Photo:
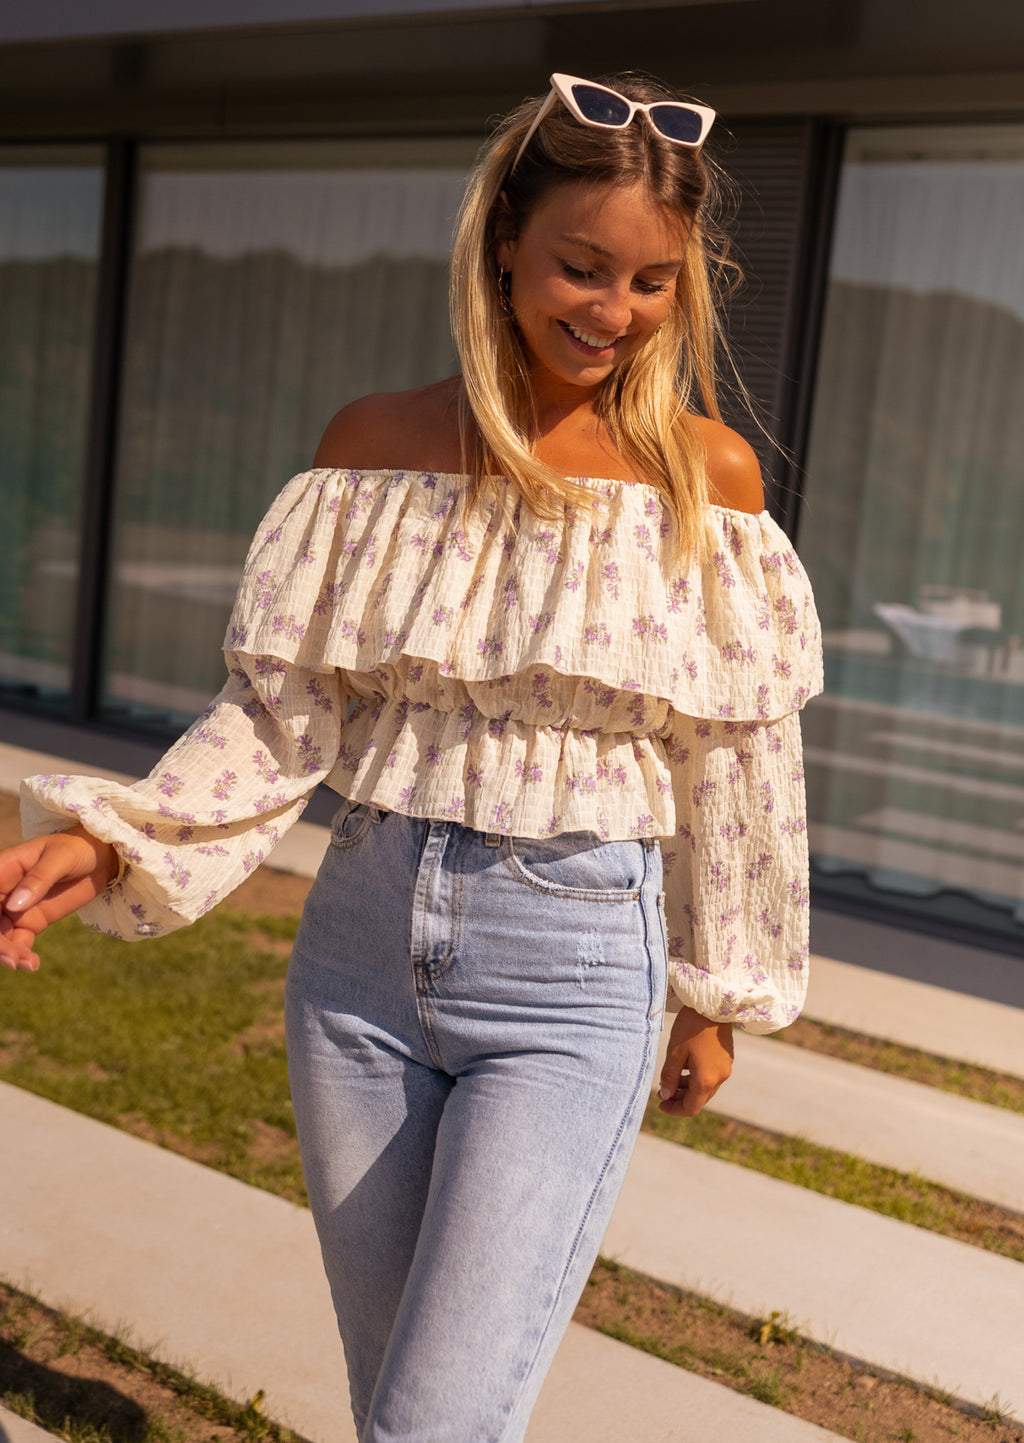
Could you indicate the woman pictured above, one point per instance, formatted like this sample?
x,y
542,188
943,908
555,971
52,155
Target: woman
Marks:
x,y
526,622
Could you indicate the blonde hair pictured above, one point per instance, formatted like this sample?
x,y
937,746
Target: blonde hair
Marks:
x,y
647,401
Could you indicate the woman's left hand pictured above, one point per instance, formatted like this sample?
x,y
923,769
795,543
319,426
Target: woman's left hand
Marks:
x,y
699,1060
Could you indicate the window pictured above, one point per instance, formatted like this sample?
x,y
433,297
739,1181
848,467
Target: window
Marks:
x,y
912,528
51,203
270,285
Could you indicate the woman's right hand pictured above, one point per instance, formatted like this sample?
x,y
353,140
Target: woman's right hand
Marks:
x,y
44,880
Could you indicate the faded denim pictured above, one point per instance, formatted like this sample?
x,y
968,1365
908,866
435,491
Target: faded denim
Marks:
x,y
472,1030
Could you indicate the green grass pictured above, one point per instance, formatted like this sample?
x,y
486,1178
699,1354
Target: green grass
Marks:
x,y
180,1039
907,1197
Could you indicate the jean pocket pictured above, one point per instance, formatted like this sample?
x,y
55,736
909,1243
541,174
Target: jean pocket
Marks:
x,y
350,825
578,865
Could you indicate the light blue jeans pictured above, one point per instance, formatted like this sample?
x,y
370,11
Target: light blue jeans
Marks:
x,y
472,1028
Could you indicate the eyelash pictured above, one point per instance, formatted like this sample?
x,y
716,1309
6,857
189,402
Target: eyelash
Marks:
x,y
646,288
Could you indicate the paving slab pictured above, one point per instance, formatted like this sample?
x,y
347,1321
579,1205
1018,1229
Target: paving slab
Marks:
x,y
916,1014
208,1272
969,1146
896,1296
19,1430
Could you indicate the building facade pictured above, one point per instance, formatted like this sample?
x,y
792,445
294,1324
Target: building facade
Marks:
x,y
220,222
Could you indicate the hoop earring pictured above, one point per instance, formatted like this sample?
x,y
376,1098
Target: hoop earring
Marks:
x,y
505,291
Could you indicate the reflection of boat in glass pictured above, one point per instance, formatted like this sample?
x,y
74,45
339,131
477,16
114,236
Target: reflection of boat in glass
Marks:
x,y
949,625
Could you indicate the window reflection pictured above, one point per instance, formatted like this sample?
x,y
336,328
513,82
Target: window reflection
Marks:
x,y
50,216
913,526
270,285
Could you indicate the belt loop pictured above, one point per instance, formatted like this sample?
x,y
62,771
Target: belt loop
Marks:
x,y
492,839
649,843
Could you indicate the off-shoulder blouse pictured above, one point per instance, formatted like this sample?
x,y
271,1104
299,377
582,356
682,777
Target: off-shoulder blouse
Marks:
x,y
519,675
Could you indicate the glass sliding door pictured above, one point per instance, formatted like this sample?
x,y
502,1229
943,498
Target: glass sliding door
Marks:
x,y
51,203
913,529
270,285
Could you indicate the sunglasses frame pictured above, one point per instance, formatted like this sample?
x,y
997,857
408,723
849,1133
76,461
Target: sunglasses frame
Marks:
x,y
561,89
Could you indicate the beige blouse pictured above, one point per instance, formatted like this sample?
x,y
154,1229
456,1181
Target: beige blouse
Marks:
x,y
517,675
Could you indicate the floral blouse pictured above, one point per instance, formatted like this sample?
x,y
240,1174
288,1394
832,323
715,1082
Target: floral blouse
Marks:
x,y
515,674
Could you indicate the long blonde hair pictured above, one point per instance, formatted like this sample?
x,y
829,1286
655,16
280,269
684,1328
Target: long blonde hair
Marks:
x,y
647,402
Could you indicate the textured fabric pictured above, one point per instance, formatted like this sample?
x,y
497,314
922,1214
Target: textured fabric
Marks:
x,y
519,675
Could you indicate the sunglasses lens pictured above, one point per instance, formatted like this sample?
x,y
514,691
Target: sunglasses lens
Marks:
x,y
600,107
678,123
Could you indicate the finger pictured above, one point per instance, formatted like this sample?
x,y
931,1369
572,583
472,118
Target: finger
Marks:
x,y
16,951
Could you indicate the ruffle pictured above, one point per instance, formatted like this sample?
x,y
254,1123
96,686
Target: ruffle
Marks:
x,y
357,569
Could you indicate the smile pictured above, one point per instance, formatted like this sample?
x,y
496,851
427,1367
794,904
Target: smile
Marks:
x,y
593,343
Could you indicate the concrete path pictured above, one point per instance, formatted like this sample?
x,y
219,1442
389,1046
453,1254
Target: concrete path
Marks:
x,y
916,1014
209,1272
969,1146
896,1296
16,1430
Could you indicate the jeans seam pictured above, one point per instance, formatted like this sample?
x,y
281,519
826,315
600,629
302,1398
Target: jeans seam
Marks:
x,y
519,873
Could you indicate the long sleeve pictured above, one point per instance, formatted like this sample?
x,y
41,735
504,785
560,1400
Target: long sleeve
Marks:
x,y
736,888
213,807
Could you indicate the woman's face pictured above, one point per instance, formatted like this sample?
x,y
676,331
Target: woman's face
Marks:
x,y
593,274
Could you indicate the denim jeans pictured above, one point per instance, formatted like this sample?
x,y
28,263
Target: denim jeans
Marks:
x,y
472,1029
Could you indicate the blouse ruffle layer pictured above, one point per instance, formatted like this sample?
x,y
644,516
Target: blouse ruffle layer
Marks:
x,y
353,569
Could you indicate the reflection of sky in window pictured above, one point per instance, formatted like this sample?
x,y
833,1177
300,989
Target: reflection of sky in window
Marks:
x,y
934,226
334,218
49,213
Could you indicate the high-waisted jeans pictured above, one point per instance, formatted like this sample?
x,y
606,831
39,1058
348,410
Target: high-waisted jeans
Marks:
x,y
472,1029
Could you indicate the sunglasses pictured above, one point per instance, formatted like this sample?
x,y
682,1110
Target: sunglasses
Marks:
x,y
675,120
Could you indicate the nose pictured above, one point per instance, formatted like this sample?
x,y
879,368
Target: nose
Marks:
x,y
610,308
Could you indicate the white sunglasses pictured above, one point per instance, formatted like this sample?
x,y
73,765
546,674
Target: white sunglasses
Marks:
x,y
675,120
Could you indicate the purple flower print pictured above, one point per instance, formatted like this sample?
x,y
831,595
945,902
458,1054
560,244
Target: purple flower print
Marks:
x,y
643,826
224,785
731,532
270,666
383,587
797,961
771,563
722,571
785,613
351,632
643,541
309,754
702,791
330,594
756,869
308,554
272,537
720,876
528,772
251,861
584,783
600,537
539,690
270,804
179,876
170,785
542,621
210,737
433,755
467,716
686,833
509,593
650,626
732,831
598,635
471,592
454,810
213,851
769,925
755,971
768,796
610,573
497,725
293,629
239,635
405,796
702,621
792,826
679,594
551,826
458,543
736,651
724,918
424,544
546,543
474,778
501,817
576,573
611,776
489,646
798,893
265,588
781,667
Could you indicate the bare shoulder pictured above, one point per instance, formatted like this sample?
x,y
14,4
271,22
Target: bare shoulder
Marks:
x,y
395,430
733,468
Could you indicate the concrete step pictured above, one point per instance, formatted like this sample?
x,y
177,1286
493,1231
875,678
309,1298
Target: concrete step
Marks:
x,y
14,1429
977,1149
896,1296
208,1272
916,1014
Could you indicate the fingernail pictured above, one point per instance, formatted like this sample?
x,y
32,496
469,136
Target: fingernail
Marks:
x,y
664,1093
19,898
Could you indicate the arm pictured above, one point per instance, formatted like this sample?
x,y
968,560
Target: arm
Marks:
x,y
208,814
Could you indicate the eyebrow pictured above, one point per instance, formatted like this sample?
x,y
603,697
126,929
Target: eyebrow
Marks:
x,y
579,240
